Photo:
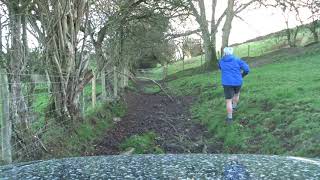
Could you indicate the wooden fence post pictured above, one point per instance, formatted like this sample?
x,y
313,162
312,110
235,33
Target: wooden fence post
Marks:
x,y
6,124
115,82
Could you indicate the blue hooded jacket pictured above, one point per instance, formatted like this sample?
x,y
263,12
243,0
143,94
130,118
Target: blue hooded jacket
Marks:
x,y
231,67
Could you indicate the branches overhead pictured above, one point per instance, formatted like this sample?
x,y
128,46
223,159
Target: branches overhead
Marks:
x,y
314,7
187,33
239,7
138,10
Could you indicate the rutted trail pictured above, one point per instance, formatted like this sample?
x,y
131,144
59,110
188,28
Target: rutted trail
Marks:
x,y
170,120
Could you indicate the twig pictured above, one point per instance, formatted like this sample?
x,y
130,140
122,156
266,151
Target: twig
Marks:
x,y
155,82
173,127
42,145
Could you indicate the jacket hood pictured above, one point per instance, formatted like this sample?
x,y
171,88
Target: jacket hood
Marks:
x,y
227,58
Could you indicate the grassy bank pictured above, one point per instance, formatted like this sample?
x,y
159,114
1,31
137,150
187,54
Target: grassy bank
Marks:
x,y
80,139
279,110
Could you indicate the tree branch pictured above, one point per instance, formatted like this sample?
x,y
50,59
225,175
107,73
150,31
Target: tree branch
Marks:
x,y
187,33
244,6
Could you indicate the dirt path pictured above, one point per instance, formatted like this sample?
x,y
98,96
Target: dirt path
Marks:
x,y
170,120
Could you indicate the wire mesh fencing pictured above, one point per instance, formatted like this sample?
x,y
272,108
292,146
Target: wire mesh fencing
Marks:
x,y
30,118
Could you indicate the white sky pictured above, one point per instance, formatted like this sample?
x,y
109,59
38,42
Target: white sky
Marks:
x,y
258,22
262,21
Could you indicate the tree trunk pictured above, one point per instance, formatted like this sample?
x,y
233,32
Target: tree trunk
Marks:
x,y
126,77
103,84
67,69
48,81
1,54
30,85
16,66
213,23
210,56
83,102
316,37
115,82
209,45
94,91
122,76
288,33
209,48
313,29
109,83
227,25
291,34
296,30
164,71
20,113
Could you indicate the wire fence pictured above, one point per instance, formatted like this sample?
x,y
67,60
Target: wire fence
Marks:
x,y
28,114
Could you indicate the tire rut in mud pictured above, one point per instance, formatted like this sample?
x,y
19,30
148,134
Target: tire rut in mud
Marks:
x,y
170,120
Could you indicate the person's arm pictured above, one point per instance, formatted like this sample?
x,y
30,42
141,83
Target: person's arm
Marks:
x,y
244,67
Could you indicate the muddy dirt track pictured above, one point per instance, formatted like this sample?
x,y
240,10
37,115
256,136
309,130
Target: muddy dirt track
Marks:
x,y
170,120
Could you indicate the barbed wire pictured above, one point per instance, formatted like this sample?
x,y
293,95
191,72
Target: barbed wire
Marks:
x,y
34,94
36,136
32,111
22,150
47,112
41,132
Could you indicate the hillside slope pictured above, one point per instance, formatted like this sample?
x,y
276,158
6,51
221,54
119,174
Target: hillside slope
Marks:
x,y
279,109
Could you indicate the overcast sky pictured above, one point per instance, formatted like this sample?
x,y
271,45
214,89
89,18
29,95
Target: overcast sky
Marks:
x,y
261,22
258,22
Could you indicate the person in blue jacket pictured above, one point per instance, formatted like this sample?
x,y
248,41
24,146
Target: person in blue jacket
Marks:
x,y
233,69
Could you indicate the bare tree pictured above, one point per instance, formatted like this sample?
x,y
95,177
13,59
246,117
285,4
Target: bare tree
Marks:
x,y
110,25
114,36
60,34
226,30
17,63
288,8
314,7
234,8
208,35
291,33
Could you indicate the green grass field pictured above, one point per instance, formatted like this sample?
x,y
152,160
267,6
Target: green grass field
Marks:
x,y
270,44
279,109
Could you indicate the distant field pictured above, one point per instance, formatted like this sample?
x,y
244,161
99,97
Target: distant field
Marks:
x,y
271,43
157,73
250,49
